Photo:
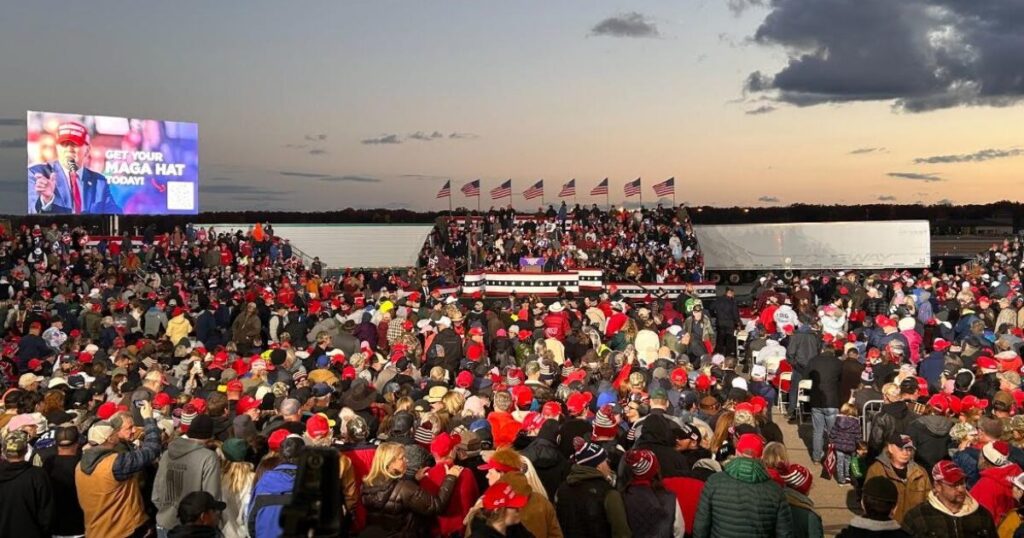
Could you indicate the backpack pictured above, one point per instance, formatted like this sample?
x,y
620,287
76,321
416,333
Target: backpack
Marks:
x,y
272,493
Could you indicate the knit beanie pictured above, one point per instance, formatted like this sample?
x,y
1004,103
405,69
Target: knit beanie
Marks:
x,y
606,423
188,414
424,433
586,453
643,463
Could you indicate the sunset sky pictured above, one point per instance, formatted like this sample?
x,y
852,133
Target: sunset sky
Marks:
x,y
320,105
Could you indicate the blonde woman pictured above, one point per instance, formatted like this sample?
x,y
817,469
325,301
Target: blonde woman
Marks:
x,y
237,479
396,506
775,456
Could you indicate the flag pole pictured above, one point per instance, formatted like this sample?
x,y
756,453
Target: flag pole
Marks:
x,y
608,197
451,212
640,180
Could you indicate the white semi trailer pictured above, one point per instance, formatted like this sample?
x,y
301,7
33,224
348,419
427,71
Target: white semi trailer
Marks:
x,y
736,253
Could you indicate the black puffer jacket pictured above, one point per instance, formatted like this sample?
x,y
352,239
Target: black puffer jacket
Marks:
x,y
551,466
26,499
401,509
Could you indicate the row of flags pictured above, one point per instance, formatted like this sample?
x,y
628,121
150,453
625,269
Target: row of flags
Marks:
x,y
632,188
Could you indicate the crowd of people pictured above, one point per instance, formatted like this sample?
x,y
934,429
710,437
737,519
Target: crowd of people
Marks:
x,y
653,244
185,396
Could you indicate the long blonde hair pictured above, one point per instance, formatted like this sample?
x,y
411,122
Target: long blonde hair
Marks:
x,y
775,455
236,476
385,455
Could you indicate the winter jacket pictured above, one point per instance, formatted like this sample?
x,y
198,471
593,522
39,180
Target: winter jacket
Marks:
x,y
931,518
538,516
272,492
186,466
912,491
931,437
108,485
26,498
931,369
1010,524
465,494
824,371
803,346
68,519
764,511
806,522
687,491
450,346
652,512
846,433
154,321
994,490
657,436
862,527
556,325
400,507
551,466
177,328
849,379
246,328
588,505
893,417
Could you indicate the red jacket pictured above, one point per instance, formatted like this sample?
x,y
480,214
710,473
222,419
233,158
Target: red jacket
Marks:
x,y
615,322
556,325
687,491
994,490
464,496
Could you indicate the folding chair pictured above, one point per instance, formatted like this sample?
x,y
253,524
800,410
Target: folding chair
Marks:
x,y
803,399
785,378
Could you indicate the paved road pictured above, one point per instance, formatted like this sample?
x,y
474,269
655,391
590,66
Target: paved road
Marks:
x,y
831,500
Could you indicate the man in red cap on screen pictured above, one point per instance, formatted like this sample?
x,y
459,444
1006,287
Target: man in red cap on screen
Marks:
x,y
66,185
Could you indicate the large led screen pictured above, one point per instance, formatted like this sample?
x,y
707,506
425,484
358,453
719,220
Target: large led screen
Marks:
x,y
106,165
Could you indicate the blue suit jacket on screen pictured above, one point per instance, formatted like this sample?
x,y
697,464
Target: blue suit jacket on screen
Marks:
x,y
96,197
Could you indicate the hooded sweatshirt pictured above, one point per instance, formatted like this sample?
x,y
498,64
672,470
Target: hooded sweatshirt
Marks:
x,y
27,500
185,467
994,490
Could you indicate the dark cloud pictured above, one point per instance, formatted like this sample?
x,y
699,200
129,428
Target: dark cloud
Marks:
x,y
914,176
352,179
887,198
763,109
976,157
382,139
318,151
426,137
631,24
739,6
462,136
12,121
944,201
302,174
315,137
862,151
768,199
239,189
11,143
422,176
920,54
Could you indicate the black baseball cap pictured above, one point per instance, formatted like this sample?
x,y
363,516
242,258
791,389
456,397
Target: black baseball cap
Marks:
x,y
195,504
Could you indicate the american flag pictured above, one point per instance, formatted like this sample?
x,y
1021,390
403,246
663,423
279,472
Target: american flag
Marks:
x,y
502,191
446,191
632,188
601,188
666,188
536,191
569,189
472,188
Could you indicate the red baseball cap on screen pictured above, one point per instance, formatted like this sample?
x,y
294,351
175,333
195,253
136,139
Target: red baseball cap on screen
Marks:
x,y
74,132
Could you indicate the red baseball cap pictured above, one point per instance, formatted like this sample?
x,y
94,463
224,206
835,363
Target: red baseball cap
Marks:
x,y
678,376
752,443
73,132
35,364
948,472
987,363
578,402
498,466
464,379
501,495
939,402
551,409
162,399
109,409
444,443
276,439
317,426
246,403
940,344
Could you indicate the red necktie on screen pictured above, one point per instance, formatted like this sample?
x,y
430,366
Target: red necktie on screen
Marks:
x,y
76,194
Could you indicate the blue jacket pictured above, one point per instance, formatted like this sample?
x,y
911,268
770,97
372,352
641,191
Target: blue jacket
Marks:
x,y
96,197
931,369
271,494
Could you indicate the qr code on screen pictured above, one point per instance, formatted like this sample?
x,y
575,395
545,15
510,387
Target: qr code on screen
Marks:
x,y
181,196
